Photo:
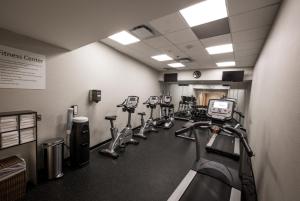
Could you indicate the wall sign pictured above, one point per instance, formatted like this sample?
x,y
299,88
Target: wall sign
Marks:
x,y
21,69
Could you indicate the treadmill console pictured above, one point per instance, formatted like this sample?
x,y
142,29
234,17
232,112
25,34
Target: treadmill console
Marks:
x,y
166,99
220,109
153,100
132,101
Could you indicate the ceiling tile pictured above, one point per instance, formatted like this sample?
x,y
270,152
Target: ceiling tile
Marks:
x,y
194,49
247,52
211,29
169,23
173,51
251,58
238,6
157,42
205,61
223,57
217,40
143,49
182,36
250,35
248,45
253,19
245,63
114,44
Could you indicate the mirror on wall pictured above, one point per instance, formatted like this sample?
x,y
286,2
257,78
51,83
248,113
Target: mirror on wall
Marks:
x,y
204,92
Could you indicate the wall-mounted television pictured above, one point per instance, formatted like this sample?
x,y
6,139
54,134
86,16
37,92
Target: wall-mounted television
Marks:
x,y
233,76
170,77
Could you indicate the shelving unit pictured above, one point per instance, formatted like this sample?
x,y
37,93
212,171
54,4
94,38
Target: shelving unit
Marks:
x,y
18,128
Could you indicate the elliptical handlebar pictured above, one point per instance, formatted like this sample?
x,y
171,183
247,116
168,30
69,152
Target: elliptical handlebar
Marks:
x,y
242,137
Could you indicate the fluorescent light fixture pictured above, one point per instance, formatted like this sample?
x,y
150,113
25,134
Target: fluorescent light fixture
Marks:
x,y
162,57
124,38
176,65
204,12
226,64
220,49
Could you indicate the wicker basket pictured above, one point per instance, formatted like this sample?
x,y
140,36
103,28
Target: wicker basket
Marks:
x,y
12,179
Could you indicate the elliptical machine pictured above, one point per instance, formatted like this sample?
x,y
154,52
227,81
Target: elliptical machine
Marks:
x,y
121,139
166,119
148,126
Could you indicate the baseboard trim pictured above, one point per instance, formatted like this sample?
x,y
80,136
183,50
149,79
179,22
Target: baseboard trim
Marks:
x,y
100,144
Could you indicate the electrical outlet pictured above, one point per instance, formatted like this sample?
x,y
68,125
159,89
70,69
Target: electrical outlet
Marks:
x,y
39,117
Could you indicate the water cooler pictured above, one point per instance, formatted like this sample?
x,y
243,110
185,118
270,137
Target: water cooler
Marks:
x,y
80,142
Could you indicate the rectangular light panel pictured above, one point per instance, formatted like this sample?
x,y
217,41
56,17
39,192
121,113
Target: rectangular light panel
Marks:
x,y
162,57
219,49
124,38
176,65
226,64
204,12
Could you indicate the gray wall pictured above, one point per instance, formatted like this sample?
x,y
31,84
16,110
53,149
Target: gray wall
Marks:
x,y
69,76
274,110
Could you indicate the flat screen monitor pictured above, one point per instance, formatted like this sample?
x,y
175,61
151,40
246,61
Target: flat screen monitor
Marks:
x,y
170,77
220,104
233,76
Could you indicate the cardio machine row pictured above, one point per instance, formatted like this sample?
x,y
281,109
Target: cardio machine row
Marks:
x,y
124,137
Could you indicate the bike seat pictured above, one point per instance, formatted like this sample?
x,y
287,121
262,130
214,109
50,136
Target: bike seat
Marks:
x,y
111,117
142,113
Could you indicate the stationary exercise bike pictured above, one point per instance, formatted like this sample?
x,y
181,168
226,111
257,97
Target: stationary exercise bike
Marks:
x,y
148,126
121,139
166,119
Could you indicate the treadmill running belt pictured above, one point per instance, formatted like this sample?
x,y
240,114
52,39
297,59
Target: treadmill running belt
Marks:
x,y
224,143
205,188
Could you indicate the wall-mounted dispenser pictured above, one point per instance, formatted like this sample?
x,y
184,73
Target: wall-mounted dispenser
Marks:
x,y
95,95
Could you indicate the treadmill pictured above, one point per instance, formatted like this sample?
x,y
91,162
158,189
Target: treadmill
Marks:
x,y
209,180
222,141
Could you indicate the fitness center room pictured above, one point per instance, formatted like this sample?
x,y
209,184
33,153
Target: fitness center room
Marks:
x,y
173,100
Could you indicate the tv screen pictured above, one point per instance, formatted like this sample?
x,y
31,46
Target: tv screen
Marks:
x,y
233,76
170,77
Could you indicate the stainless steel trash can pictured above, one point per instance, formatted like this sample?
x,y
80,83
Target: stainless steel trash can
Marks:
x,y
53,157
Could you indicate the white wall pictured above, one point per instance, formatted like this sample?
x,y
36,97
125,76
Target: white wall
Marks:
x,y
274,110
70,75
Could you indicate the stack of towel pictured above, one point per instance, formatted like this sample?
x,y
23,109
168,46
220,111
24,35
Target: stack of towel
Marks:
x,y
9,123
9,139
27,135
27,121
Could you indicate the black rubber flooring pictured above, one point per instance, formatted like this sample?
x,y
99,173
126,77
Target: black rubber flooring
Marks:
x,y
149,171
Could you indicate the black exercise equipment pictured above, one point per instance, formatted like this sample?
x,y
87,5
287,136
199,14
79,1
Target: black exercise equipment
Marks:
x,y
209,180
149,125
121,139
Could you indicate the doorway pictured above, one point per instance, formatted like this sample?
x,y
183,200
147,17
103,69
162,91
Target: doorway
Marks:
x,y
203,96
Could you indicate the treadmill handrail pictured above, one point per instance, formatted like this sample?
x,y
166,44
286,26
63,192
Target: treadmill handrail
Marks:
x,y
192,126
240,134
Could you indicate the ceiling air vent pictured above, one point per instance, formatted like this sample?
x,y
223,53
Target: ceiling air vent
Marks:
x,y
142,32
184,60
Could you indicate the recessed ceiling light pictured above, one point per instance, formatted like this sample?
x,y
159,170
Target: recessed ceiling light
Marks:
x,y
204,12
226,64
124,38
219,49
162,57
176,65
